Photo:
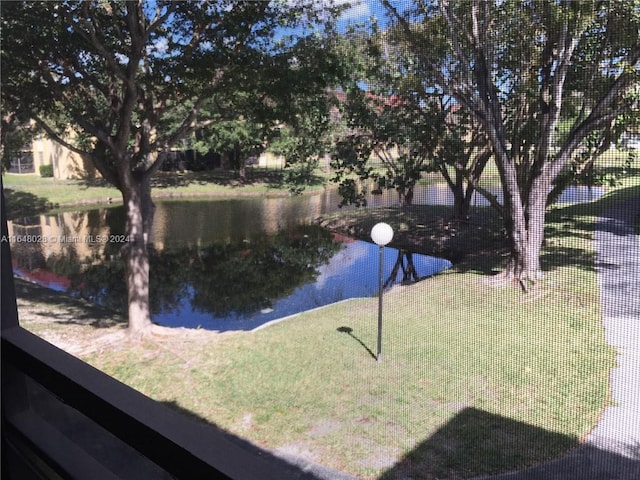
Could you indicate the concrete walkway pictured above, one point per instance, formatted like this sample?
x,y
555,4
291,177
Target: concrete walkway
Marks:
x,y
612,449
618,266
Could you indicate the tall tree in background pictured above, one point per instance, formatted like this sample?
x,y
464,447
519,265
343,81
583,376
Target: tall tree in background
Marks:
x,y
16,131
284,109
389,141
390,128
121,81
515,67
306,134
399,118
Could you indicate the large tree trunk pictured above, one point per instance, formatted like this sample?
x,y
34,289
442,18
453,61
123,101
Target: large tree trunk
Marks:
x,y
240,164
525,226
148,208
138,206
535,217
461,197
514,219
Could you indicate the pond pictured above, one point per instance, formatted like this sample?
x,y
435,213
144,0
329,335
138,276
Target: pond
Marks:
x,y
231,264
220,265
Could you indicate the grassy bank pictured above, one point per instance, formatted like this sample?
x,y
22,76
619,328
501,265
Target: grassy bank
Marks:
x,y
29,194
474,379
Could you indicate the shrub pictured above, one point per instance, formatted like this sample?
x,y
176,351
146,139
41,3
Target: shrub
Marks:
x,y
46,170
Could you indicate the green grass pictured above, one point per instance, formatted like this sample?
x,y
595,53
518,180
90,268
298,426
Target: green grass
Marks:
x,y
51,191
30,194
451,346
475,379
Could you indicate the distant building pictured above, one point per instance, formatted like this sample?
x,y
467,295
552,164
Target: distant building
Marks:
x,y
44,151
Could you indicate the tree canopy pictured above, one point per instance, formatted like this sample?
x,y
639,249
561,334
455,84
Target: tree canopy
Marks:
x,y
399,124
539,79
121,81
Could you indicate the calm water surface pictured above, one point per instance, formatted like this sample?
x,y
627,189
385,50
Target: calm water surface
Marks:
x,y
223,264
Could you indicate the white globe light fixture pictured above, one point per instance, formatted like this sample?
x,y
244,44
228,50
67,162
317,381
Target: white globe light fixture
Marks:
x,y
381,234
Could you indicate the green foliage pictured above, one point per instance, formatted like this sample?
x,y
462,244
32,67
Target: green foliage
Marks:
x,y
391,132
304,97
46,170
397,121
302,141
588,169
194,66
550,85
520,42
386,137
131,79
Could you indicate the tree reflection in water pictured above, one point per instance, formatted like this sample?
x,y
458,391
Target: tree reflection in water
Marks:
x,y
220,279
405,263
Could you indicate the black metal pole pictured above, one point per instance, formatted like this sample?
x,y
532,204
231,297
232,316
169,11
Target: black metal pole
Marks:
x,y
380,291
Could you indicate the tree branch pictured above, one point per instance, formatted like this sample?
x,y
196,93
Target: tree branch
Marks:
x,y
54,135
603,112
90,36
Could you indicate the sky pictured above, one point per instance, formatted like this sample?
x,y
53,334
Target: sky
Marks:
x,y
361,11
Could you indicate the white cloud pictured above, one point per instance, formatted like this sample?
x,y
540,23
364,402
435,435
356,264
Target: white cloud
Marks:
x,y
356,9
350,254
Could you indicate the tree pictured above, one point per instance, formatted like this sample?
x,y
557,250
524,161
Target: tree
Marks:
x,y
397,117
108,79
285,109
515,68
461,156
307,128
390,130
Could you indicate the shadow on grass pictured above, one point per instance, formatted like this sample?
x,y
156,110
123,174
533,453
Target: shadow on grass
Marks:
x,y
287,468
577,222
64,309
24,204
552,258
475,443
228,178
173,179
349,331
580,221
599,207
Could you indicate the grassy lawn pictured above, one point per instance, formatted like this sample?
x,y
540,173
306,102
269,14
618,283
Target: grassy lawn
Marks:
x,y
51,191
475,378
32,194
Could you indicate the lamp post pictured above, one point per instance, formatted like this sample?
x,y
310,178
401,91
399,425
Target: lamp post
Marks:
x,y
381,234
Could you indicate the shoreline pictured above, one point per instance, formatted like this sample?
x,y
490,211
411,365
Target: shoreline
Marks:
x,y
178,196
